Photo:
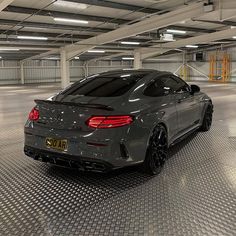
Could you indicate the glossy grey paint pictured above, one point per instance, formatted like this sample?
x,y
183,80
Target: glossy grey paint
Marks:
x,y
179,113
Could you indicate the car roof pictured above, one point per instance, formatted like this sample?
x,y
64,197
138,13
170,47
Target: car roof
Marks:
x,y
132,72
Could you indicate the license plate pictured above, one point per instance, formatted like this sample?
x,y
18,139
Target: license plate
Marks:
x,y
57,144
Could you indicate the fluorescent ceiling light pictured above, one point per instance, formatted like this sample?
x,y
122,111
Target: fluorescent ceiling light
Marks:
x,y
159,59
70,20
175,31
234,37
67,4
96,51
9,49
130,43
52,58
127,58
0,57
76,58
35,28
191,46
167,37
32,37
232,27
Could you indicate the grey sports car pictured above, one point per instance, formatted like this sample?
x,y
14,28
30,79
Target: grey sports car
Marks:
x,y
116,119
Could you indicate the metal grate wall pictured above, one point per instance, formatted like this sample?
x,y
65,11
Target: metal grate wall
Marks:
x,y
48,71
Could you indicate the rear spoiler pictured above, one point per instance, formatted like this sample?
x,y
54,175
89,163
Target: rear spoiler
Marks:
x,y
78,104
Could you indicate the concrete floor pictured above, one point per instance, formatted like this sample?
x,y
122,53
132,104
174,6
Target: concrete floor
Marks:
x,y
194,195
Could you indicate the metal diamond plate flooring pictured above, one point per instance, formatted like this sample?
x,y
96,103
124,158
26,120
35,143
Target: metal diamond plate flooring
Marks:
x,y
194,195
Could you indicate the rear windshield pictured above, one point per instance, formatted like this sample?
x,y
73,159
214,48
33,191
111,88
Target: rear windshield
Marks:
x,y
104,86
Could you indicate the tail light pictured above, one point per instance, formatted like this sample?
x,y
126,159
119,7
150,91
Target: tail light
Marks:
x,y
34,114
106,122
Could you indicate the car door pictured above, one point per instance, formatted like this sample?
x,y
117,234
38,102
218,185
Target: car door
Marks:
x,y
188,108
163,100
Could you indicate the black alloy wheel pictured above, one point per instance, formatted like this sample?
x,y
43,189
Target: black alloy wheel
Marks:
x,y
157,151
207,120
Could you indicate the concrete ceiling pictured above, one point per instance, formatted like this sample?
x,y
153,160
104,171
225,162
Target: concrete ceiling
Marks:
x,y
36,18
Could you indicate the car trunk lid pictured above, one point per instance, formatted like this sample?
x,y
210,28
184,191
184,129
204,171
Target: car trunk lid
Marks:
x,y
69,115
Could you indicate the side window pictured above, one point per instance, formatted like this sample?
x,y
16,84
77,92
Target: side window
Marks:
x,y
160,87
182,86
165,85
171,83
156,89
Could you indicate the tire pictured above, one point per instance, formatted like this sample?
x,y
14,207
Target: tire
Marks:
x,y
207,119
157,151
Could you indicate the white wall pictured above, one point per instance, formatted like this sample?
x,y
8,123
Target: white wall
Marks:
x,y
204,67
9,72
47,71
101,66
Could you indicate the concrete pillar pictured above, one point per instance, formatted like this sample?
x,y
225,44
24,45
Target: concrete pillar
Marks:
x,y
86,70
137,60
65,73
22,74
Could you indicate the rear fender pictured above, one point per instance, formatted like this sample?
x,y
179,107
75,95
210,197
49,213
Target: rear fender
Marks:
x,y
154,119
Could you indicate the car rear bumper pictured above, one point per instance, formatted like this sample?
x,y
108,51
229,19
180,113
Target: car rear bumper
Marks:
x,y
67,160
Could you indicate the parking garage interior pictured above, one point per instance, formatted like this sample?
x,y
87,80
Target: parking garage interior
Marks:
x,y
47,45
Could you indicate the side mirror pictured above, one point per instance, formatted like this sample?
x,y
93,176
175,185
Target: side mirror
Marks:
x,y
194,89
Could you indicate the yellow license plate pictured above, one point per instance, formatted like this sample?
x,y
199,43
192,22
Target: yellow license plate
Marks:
x,y
57,144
